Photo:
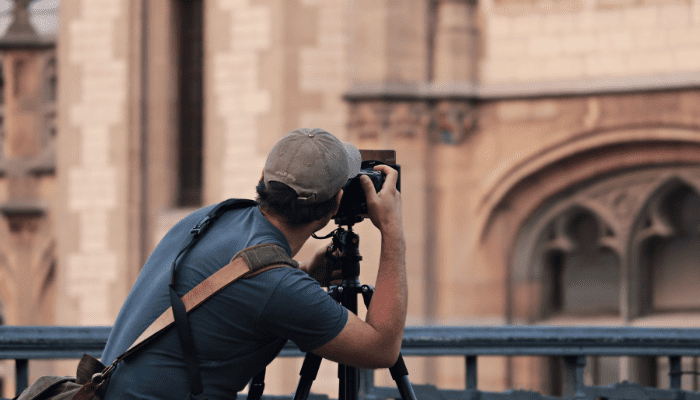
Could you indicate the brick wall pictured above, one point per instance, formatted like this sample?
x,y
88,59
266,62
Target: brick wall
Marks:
x,y
533,41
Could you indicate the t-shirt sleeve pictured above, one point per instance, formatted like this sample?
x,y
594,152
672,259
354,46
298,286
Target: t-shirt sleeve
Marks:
x,y
301,311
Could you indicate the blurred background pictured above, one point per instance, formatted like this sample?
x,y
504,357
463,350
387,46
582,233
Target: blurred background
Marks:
x,y
550,154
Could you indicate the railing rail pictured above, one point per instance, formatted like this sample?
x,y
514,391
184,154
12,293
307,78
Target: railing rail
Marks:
x,y
574,344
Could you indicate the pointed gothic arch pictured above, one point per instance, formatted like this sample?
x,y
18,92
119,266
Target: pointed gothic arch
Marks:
x,y
610,173
585,157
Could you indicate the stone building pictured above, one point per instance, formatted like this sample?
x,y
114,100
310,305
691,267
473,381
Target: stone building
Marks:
x,y
550,155
28,94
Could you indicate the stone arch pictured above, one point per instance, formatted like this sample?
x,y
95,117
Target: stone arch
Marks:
x,y
611,179
619,202
584,157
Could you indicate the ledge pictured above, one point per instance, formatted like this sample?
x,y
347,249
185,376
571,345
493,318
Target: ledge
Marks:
x,y
23,208
521,90
411,91
26,41
42,164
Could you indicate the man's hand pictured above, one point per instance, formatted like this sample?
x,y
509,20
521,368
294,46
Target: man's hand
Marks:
x,y
384,207
317,268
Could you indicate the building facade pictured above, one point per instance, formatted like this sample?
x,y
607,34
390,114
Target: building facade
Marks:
x,y
550,155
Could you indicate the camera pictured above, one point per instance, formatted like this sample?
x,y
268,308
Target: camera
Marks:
x,y
353,205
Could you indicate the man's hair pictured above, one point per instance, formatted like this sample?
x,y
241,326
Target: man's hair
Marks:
x,y
282,200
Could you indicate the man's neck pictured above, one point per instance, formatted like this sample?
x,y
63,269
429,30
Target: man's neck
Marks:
x,y
296,237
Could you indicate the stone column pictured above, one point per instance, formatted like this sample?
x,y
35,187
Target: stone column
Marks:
x,y
94,161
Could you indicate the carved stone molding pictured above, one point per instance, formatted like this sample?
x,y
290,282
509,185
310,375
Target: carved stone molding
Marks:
x,y
453,121
444,121
622,198
407,119
367,120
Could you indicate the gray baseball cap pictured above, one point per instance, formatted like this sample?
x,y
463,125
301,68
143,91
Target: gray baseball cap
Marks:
x,y
312,162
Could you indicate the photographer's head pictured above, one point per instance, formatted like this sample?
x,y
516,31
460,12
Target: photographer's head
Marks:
x,y
304,174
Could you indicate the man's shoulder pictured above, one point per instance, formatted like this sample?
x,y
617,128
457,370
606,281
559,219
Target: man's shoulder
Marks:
x,y
281,273
285,279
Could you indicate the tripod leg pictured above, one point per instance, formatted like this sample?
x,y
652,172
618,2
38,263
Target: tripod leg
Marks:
x,y
309,371
399,373
349,382
257,386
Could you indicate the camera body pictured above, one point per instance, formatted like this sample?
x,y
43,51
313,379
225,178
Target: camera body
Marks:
x,y
353,205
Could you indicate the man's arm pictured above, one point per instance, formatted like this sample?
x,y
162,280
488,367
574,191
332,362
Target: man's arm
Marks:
x,y
376,342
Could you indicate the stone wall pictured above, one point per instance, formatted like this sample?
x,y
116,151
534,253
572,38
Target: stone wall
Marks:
x,y
547,40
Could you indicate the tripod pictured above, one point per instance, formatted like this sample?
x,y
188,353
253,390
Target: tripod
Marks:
x,y
345,255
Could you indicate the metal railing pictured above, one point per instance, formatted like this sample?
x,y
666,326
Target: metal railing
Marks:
x,y
573,344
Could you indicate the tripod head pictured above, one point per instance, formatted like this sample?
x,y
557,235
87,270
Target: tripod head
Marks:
x,y
344,253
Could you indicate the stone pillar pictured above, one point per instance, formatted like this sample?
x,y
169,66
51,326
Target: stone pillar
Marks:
x,y
95,160
455,46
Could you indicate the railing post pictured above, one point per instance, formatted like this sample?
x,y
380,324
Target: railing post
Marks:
x,y
674,372
573,376
366,383
471,372
21,375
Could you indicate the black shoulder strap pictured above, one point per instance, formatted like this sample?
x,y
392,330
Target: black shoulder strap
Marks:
x,y
179,312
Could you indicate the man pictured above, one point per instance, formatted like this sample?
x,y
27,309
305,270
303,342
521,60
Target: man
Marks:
x,y
242,328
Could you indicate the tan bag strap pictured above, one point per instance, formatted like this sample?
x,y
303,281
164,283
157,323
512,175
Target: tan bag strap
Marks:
x,y
245,264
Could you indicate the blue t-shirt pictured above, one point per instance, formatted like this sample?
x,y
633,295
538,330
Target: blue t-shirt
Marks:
x,y
237,332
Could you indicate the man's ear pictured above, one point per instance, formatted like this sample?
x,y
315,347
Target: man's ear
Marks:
x,y
262,174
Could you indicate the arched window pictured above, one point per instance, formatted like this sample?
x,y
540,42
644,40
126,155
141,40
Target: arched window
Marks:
x,y
668,252
581,275
622,249
591,277
674,261
580,278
